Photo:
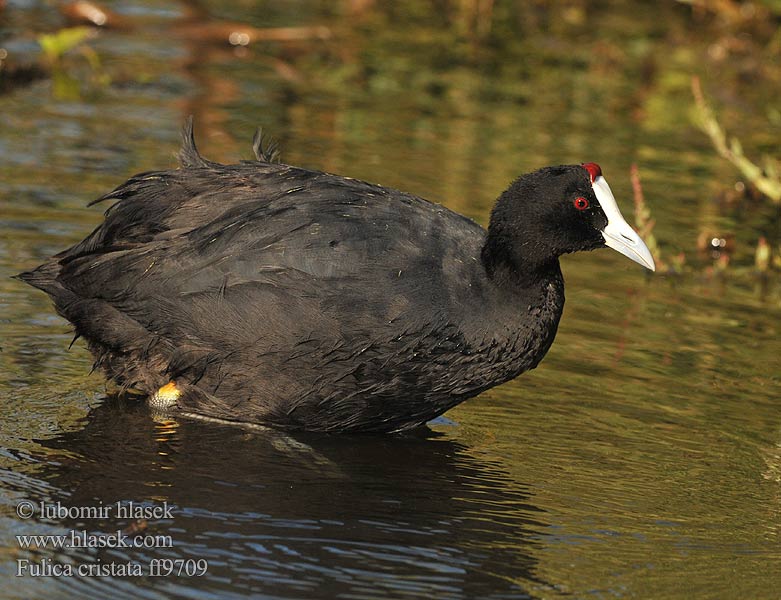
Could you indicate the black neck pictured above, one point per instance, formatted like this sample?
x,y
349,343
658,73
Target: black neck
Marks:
x,y
509,266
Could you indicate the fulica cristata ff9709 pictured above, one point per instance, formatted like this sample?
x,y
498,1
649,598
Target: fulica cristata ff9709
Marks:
x,y
262,292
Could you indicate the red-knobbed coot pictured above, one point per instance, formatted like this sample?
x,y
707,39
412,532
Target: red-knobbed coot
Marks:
x,y
262,292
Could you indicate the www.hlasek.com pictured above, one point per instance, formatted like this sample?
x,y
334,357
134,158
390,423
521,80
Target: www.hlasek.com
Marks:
x,y
127,538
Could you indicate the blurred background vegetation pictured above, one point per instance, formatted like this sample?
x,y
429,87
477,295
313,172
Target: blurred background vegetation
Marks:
x,y
710,64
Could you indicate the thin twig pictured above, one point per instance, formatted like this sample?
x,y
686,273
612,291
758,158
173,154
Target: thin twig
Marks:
x,y
766,180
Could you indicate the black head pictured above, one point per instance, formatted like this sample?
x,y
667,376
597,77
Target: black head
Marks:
x,y
554,211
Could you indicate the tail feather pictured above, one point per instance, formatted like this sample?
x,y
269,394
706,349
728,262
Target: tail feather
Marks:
x,y
43,277
189,157
266,150
122,347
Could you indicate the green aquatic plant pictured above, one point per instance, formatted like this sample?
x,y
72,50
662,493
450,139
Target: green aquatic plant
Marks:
x,y
765,258
57,46
766,179
762,256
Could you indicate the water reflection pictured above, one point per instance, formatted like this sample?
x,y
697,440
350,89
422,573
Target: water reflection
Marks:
x,y
309,516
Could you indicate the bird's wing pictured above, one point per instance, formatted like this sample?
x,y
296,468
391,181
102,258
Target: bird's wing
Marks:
x,y
268,261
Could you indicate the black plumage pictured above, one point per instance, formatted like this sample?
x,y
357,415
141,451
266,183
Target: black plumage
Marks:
x,y
304,300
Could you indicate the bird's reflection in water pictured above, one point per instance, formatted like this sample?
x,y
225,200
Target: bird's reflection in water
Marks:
x,y
315,517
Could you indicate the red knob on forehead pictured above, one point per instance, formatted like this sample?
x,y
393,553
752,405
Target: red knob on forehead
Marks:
x,y
593,169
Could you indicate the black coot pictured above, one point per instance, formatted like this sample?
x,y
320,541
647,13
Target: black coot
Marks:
x,y
268,293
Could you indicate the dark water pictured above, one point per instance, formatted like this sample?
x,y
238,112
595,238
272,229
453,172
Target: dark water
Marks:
x,y
642,459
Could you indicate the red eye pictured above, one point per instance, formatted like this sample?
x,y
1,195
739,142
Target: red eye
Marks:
x,y
580,203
